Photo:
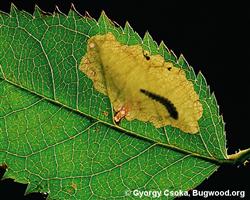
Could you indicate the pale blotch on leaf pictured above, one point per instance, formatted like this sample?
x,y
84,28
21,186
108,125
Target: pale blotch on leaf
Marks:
x,y
141,86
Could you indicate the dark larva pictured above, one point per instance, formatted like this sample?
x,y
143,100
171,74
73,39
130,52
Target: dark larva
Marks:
x,y
164,101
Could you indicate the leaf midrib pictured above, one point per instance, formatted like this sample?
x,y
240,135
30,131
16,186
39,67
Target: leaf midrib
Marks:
x,y
120,129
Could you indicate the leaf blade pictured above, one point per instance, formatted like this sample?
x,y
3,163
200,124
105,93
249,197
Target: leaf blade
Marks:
x,y
70,34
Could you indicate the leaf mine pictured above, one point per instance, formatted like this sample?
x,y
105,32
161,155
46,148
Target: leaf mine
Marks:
x,y
122,72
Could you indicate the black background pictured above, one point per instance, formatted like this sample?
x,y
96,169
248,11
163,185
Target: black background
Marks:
x,y
213,38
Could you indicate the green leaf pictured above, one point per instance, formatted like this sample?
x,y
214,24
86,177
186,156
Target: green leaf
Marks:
x,y
57,132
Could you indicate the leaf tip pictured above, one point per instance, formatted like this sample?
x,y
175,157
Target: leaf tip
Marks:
x,y
163,46
73,10
13,6
106,23
146,36
104,15
57,10
29,189
37,11
87,15
72,7
36,188
127,24
13,9
183,62
149,43
4,166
